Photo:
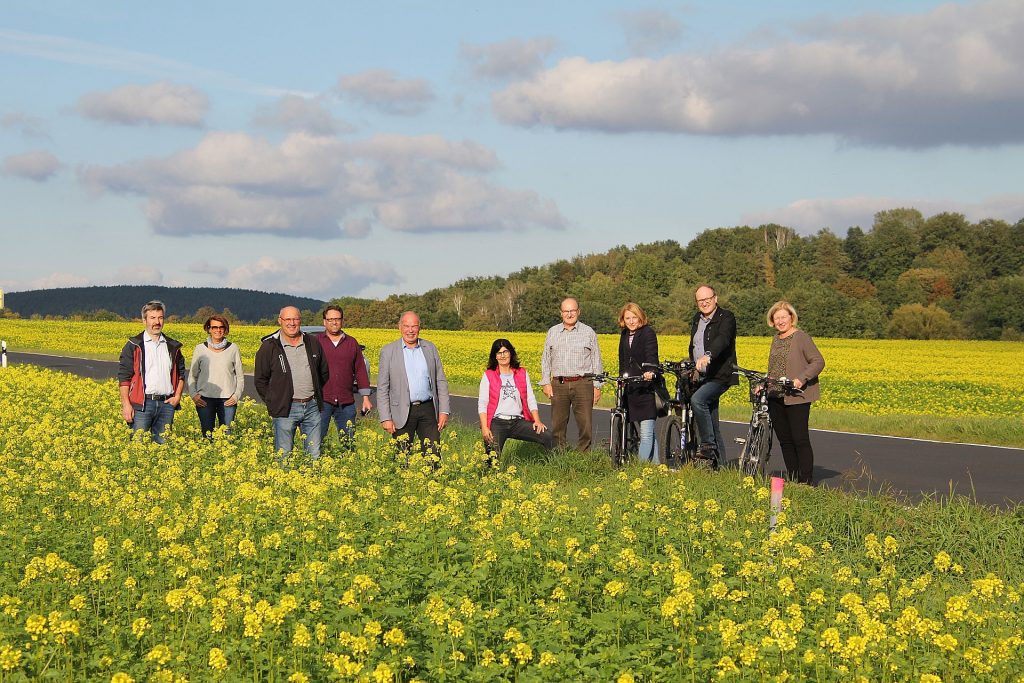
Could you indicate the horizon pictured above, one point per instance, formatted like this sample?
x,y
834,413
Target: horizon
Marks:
x,y
328,151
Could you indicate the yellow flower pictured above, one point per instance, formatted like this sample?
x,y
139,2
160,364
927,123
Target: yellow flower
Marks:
x,y
394,638
614,588
161,654
625,677
522,652
942,561
547,659
217,660
298,677
10,659
121,677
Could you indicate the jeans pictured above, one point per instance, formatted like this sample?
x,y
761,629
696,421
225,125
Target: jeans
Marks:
x,y
648,444
154,417
344,420
215,411
305,416
705,413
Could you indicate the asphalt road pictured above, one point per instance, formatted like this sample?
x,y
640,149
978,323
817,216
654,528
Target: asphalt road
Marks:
x,y
913,468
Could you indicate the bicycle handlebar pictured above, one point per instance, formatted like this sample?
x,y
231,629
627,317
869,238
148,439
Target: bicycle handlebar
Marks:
x,y
607,377
756,377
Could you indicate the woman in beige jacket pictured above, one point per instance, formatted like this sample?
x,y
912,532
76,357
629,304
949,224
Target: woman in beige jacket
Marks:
x,y
793,355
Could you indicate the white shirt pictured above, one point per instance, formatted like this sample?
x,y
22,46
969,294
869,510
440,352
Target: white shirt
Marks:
x,y
158,366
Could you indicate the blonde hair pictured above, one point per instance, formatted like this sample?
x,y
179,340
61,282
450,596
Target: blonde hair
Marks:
x,y
780,306
635,310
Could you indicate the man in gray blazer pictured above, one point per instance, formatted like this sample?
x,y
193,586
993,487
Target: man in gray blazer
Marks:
x,y
412,390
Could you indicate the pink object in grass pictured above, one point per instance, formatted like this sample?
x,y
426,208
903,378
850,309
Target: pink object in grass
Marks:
x,y
776,501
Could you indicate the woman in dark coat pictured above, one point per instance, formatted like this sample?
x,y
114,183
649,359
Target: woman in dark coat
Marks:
x,y
638,345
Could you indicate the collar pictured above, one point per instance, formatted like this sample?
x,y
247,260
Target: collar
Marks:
x,y
411,348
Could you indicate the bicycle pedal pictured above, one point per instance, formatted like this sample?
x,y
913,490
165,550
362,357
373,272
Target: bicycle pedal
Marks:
x,y
740,440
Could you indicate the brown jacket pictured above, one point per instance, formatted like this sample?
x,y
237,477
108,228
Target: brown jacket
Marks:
x,y
804,363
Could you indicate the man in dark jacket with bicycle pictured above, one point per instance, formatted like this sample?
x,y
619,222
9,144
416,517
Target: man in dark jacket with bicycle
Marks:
x,y
713,349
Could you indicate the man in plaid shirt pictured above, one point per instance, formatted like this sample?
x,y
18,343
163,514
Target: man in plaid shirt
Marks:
x,y
571,351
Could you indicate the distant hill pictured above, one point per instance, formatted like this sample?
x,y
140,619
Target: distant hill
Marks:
x,y
127,300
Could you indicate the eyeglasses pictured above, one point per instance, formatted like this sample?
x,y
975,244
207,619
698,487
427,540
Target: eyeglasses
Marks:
x,y
503,352
291,320
566,311
332,320
706,301
216,327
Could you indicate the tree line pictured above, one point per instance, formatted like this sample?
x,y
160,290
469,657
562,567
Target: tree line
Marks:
x,y
906,277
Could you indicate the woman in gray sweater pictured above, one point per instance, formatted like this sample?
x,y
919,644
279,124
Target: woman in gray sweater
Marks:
x,y
793,355
216,379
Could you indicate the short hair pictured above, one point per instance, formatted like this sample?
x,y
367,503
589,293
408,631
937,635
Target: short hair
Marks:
x,y
569,298
492,360
780,306
153,305
405,313
700,287
635,310
219,318
333,307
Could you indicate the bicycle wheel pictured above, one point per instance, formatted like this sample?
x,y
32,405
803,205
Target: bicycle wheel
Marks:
x,y
689,438
671,447
754,458
616,440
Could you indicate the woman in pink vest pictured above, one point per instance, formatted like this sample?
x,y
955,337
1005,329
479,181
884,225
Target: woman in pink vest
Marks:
x,y
507,406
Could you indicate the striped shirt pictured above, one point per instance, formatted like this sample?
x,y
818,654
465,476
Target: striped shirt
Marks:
x,y
570,353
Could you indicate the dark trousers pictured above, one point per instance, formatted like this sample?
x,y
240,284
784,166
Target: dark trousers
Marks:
x,y
422,423
790,425
579,397
517,428
215,411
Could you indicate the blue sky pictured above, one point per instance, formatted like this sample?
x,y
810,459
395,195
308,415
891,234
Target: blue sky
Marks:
x,y
329,149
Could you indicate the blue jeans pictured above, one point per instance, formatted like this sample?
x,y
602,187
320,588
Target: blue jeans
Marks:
x,y
154,418
648,444
215,411
344,420
705,413
305,416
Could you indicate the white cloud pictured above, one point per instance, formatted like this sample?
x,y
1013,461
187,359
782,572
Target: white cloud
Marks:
x,y
294,113
58,280
650,30
38,165
157,103
950,75
322,277
69,51
204,267
507,59
315,186
811,215
385,91
28,126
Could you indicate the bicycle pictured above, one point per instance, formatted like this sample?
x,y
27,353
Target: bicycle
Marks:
x,y
677,434
757,445
624,440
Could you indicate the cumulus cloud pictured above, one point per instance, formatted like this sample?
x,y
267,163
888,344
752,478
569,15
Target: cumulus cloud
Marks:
x,y
28,126
385,91
322,277
38,165
811,215
57,280
316,186
294,113
161,103
515,58
650,30
950,75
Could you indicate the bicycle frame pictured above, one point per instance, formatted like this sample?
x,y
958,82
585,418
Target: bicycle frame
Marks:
x,y
677,437
757,445
623,440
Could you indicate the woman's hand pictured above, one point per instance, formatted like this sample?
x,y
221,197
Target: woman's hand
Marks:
x,y
797,384
539,427
488,435
198,400
233,401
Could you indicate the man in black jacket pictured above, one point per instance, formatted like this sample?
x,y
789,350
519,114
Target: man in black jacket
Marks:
x,y
290,374
713,349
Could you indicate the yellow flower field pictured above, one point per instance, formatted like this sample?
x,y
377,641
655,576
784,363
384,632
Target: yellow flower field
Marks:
x,y
127,561
870,377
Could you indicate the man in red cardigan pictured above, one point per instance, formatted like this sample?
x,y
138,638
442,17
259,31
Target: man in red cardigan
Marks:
x,y
348,374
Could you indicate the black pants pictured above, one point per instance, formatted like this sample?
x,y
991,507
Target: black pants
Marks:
x,y
423,423
790,425
518,428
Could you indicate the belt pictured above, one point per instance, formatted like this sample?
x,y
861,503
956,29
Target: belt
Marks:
x,y
416,403
157,397
508,418
574,378
303,400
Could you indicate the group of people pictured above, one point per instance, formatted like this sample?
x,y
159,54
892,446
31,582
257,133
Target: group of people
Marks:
x,y
307,380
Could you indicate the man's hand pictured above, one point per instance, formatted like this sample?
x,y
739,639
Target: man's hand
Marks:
x,y
173,400
702,363
597,395
367,406
198,400
548,391
127,412
389,426
442,421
